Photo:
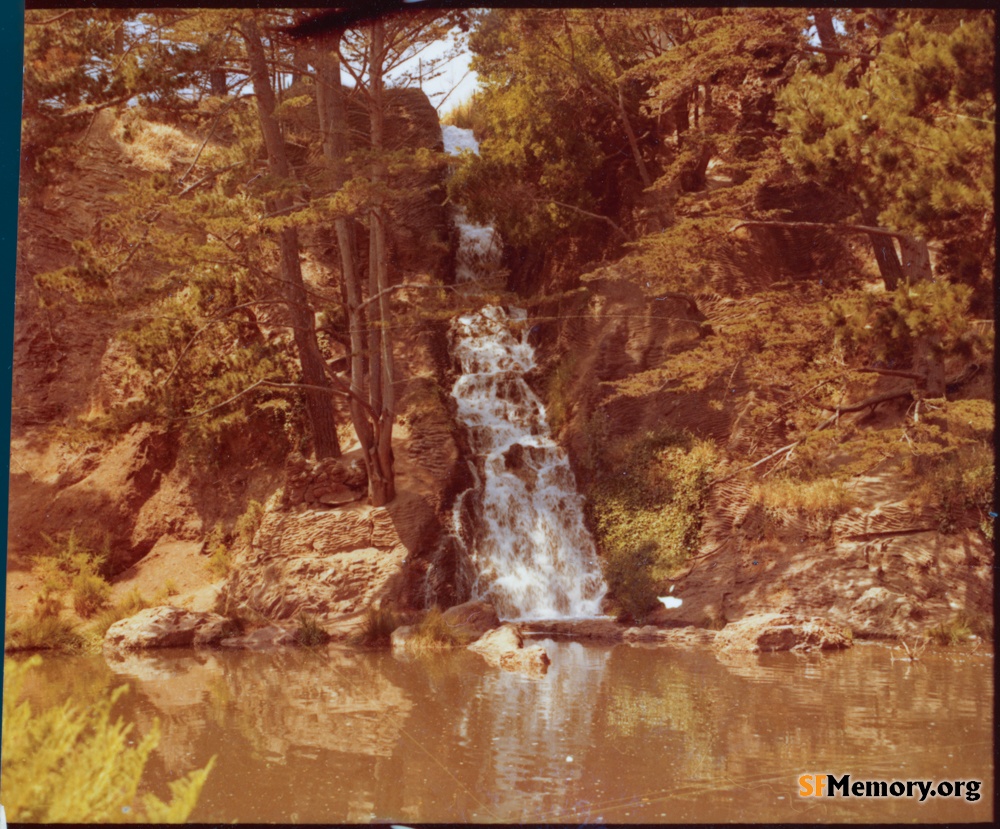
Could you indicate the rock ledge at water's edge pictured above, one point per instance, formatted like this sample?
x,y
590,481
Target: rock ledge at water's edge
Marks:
x,y
168,627
781,632
504,648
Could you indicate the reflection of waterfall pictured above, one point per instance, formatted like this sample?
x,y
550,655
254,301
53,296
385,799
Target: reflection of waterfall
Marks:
x,y
526,537
542,732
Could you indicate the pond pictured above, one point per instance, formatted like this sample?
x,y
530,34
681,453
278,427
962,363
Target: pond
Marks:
x,y
612,734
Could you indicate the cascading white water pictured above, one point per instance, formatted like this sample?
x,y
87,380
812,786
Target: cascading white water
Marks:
x,y
533,555
478,246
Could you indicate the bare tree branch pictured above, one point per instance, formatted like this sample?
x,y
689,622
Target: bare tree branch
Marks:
x,y
837,412
832,226
910,375
586,213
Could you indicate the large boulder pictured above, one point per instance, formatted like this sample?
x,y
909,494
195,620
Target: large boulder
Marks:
x,y
327,562
491,645
168,627
504,648
472,619
782,632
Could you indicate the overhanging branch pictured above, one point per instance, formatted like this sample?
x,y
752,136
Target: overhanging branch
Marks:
x,y
830,226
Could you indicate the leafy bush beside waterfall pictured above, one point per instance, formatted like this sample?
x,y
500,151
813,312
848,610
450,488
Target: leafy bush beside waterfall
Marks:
x,y
647,518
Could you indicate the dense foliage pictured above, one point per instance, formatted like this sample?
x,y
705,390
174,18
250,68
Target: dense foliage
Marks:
x,y
244,153
813,191
806,193
74,764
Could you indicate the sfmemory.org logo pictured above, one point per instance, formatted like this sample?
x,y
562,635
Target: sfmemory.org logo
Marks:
x,y
829,785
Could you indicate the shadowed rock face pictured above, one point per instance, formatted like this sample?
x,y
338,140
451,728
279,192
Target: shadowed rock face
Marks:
x,y
109,494
472,618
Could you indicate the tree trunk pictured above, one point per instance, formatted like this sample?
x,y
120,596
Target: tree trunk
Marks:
x,y
682,120
319,405
827,35
381,387
217,82
884,248
333,127
916,259
633,142
888,263
929,363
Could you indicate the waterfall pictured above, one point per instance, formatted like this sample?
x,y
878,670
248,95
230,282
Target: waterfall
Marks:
x,y
533,555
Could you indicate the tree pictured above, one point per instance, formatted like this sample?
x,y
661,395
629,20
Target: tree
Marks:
x,y
905,127
562,126
318,398
373,53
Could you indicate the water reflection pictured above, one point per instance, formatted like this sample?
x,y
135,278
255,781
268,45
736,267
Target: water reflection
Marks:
x,y
615,734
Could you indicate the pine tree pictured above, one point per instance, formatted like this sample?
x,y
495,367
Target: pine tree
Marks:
x,y
903,124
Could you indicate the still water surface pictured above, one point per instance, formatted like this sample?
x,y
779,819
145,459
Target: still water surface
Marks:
x,y
615,734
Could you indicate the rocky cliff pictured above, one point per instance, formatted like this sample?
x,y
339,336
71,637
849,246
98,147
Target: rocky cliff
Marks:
x,y
895,553
146,498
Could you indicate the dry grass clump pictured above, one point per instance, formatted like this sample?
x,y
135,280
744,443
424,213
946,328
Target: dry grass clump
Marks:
x,y
825,496
153,147
434,631
130,604
310,632
90,594
960,628
377,628
43,629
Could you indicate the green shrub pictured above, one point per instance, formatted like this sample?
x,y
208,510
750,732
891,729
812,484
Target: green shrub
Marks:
x,y
90,594
43,632
647,510
247,524
629,577
67,558
72,764
825,496
960,627
310,632
168,590
955,483
220,557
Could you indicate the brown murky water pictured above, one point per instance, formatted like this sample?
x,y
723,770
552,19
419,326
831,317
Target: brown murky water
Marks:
x,y
612,734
